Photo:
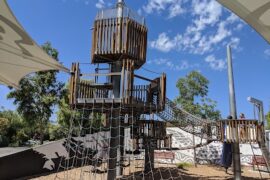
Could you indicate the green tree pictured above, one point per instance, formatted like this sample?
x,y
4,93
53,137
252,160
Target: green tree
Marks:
x,y
92,122
193,91
38,94
268,120
12,128
64,112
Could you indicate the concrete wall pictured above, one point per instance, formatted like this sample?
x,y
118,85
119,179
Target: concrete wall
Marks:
x,y
210,153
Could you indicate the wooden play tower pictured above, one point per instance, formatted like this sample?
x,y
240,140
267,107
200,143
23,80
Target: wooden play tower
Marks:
x,y
119,45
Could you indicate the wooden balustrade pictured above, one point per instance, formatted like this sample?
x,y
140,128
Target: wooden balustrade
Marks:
x,y
139,93
241,131
150,97
73,83
88,90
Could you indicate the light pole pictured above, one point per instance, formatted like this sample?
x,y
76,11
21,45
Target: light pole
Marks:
x,y
259,104
233,113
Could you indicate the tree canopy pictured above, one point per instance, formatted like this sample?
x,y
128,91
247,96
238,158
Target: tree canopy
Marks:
x,y
38,94
268,120
12,128
193,96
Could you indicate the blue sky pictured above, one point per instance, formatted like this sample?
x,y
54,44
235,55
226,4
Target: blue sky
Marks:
x,y
184,35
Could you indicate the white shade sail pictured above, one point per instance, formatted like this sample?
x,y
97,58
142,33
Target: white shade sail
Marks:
x,y
255,12
19,54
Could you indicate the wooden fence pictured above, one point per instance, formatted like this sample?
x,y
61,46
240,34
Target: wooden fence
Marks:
x,y
241,131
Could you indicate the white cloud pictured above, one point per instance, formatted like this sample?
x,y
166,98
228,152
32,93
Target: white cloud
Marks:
x,y
174,7
234,42
164,43
182,65
206,13
206,31
100,4
221,34
267,52
239,27
215,64
175,10
233,18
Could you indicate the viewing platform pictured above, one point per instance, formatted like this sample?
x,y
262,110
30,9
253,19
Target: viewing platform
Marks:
x,y
119,35
88,93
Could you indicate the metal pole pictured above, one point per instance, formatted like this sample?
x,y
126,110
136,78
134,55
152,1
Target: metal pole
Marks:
x,y
233,113
116,142
114,168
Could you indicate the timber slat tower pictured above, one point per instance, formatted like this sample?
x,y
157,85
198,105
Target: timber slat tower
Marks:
x,y
119,40
119,45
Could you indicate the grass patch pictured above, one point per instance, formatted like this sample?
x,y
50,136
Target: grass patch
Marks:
x,y
183,165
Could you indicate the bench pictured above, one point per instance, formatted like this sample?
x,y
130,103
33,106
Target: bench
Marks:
x,y
165,155
258,160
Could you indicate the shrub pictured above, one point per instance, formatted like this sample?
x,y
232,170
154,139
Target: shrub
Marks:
x,y
21,137
3,141
183,165
56,132
4,125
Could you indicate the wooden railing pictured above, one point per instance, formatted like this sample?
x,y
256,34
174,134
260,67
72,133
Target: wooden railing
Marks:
x,y
73,83
89,90
241,131
151,95
139,93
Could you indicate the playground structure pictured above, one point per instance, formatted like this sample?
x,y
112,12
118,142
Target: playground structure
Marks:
x,y
120,123
125,101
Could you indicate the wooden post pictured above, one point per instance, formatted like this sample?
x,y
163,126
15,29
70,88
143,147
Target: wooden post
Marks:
x,y
149,156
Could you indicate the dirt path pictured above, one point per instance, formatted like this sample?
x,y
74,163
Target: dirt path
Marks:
x,y
202,172
213,172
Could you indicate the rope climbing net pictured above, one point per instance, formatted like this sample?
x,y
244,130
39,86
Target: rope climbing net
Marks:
x,y
104,142
108,143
